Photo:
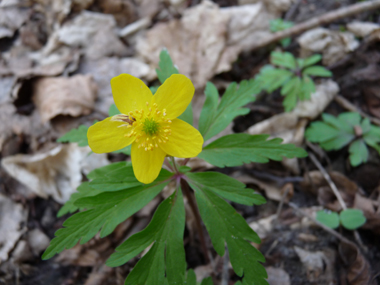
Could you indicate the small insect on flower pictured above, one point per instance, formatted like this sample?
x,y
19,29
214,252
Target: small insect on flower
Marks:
x,y
149,123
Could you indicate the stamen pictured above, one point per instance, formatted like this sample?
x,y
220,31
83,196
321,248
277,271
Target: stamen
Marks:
x,y
147,103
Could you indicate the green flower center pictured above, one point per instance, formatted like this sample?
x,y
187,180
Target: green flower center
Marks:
x,y
150,126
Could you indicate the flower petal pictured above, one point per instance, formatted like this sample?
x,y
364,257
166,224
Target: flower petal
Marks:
x,y
174,95
185,140
105,136
130,93
147,164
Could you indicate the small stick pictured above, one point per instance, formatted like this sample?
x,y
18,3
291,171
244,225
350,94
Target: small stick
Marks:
x,y
319,21
337,194
186,190
327,229
351,107
225,273
289,15
329,180
279,209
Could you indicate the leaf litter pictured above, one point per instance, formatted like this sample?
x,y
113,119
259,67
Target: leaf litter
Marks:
x,y
49,45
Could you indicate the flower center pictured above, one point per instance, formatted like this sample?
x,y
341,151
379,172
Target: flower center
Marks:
x,y
150,129
150,126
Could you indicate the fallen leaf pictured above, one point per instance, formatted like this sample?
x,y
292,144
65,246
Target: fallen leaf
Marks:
x,y
73,96
11,19
207,39
356,269
319,265
362,29
38,241
55,173
334,45
277,276
13,218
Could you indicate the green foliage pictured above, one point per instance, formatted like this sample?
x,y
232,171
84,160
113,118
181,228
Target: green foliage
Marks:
x,y
351,219
226,187
104,211
166,66
292,75
236,149
166,258
217,115
113,110
328,218
78,135
333,133
226,226
279,24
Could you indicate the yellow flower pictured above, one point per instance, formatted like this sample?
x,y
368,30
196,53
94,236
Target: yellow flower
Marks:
x,y
149,123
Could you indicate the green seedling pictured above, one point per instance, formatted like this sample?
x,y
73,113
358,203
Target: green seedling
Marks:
x,y
350,219
278,25
294,76
334,133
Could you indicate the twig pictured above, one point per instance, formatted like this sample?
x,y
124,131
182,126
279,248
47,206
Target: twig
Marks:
x,y
318,21
225,273
289,15
287,189
337,194
186,190
351,107
329,180
331,231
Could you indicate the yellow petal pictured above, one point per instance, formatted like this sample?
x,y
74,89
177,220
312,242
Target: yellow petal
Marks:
x,y
130,93
105,136
174,95
146,164
185,140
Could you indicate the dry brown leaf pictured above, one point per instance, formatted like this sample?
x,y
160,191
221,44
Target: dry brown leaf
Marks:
x,y
56,173
72,96
37,241
124,11
357,270
13,218
277,276
264,226
319,265
334,45
207,39
362,29
11,19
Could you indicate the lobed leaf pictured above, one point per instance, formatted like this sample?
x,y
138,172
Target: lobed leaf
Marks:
x,y
165,262
166,66
358,152
104,211
283,59
226,226
226,187
317,71
78,135
236,149
216,118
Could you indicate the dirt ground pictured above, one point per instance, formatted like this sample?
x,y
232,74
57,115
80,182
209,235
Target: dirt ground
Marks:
x,y
297,251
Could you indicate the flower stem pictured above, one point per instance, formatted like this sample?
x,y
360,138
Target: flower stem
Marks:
x,y
174,165
186,190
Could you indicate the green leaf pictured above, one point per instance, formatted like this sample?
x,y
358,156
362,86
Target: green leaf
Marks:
x,y
284,59
102,172
84,190
317,71
273,78
236,149
166,258
226,187
226,226
328,218
230,106
333,133
372,137
285,42
153,89
352,219
78,135
187,116
120,178
166,66
191,278
104,211
113,110
308,87
291,90
209,109
311,60
358,152
207,281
